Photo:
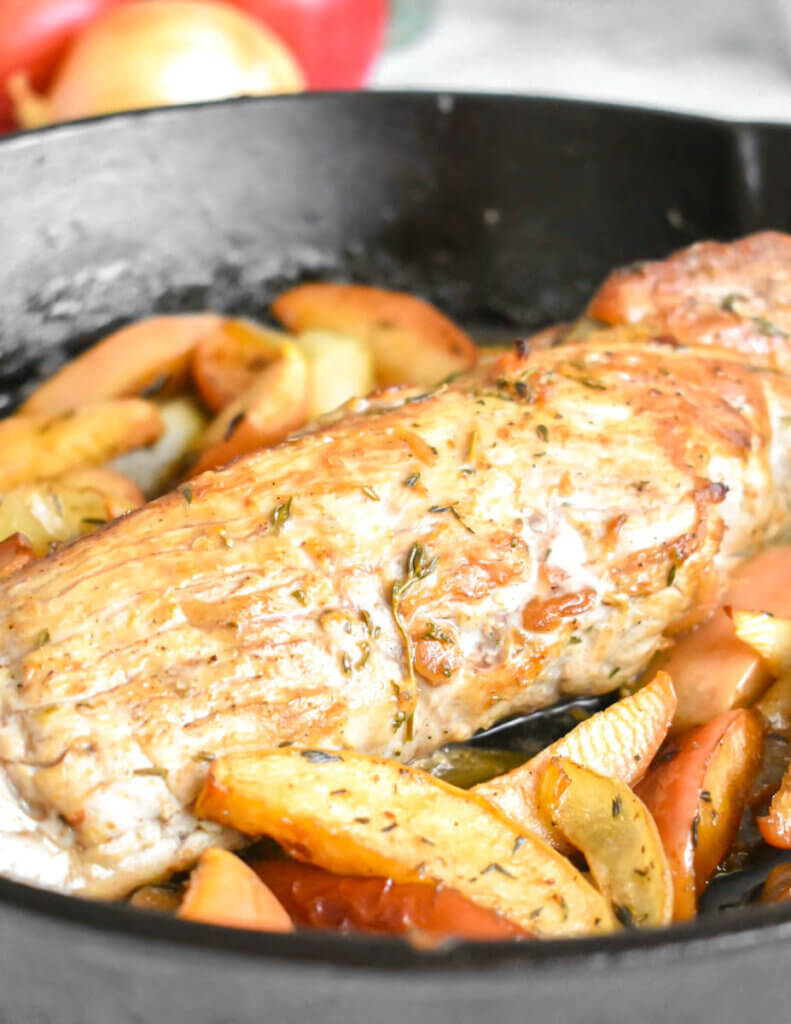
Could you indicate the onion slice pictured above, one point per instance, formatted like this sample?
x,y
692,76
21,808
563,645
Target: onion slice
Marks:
x,y
159,53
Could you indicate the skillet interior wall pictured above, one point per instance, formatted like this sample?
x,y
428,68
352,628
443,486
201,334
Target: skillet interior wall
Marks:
x,y
503,211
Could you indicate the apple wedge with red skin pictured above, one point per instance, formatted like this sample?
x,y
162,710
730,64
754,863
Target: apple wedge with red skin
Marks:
x,y
713,671
775,827
697,791
315,898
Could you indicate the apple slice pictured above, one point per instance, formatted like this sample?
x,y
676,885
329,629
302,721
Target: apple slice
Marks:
x,y
151,353
223,890
697,791
713,670
619,743
775,827
315,898
775,705
265,414
620,841
411,342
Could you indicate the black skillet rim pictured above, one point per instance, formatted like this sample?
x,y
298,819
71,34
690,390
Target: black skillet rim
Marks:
x,y
725,932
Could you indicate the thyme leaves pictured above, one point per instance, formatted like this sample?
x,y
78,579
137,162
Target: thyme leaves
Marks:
x,y
433,632
494,866
319,756
581,376
418,566
439,509
768,328
281,514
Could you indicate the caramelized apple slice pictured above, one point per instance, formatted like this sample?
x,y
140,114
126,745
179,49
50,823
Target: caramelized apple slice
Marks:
x,y
614,830
273,407
39,447
151,353
354,814
223,890
711,668
619,743
340,368
768,635
775,705
697,791
319,899
411,342
775,827
227,360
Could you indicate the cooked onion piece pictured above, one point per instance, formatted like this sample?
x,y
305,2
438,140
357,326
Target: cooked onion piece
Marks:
x,y
619,743
223,890
271,409
411,342
150,354
39,447
697,791
354,814
340,368
157,53
614,830
153,468
120,494
59,510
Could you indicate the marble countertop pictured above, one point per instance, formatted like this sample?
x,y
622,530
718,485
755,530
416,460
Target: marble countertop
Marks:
x,y
726,58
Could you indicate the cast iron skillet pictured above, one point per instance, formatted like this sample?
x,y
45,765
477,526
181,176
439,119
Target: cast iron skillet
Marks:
x,y
506,212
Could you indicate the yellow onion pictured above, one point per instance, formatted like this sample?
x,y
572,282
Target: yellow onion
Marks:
x,y
155,53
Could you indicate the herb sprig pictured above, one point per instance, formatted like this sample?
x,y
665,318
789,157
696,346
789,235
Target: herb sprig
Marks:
x,y
418,567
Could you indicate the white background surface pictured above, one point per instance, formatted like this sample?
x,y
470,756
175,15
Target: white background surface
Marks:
x,y
728,58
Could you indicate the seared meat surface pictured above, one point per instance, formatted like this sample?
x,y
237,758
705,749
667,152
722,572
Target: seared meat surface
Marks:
x,y
736,295
398,579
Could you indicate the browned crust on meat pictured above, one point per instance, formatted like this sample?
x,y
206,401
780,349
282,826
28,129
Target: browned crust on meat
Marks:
x,y
542,616
15,553
736,295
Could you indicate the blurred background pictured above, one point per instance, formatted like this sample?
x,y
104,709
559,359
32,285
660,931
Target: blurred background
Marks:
x,y
64,59
731,59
